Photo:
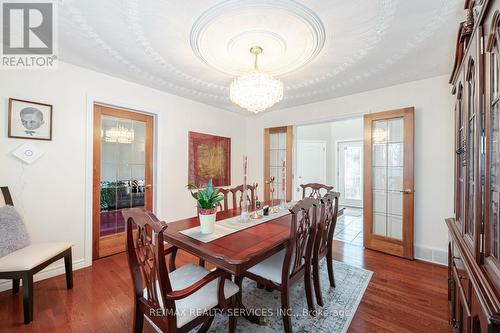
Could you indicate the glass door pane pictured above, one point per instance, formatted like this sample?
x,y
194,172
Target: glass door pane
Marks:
x,y
387,177
123,164
278,163
122,170
494,143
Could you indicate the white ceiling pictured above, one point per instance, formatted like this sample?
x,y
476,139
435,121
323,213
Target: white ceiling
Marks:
x,y
320,49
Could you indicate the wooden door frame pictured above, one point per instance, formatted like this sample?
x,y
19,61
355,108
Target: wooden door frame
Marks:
x,y
98,111
289,157
402,248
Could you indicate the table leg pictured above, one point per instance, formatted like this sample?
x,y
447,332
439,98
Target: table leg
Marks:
x,y
248,315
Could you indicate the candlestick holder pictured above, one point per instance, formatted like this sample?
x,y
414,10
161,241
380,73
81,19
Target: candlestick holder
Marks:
x,y
283,205
272,209
244,196
244,206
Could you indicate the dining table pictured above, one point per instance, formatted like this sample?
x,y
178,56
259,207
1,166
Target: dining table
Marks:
x,y
234,253
237,252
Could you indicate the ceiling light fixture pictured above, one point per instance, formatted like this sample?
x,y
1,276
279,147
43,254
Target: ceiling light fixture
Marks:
x,y
256,91
119,134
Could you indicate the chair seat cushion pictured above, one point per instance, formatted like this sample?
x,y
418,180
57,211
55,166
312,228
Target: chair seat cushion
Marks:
x,y
31,256
203,300
12,230
271,268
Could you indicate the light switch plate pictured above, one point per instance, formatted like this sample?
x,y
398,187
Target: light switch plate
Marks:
x,y
28,153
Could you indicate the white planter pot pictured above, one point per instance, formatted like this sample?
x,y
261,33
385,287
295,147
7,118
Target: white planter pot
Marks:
x,y
207,223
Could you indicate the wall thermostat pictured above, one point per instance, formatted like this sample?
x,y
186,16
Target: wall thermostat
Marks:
x,y
28,153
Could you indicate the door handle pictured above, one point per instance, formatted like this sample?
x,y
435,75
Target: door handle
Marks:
x,y
407,191
148,186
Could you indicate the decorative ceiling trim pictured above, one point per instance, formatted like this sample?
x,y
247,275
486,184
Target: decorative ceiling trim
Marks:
x,y
386,14
275,36
294,8
432,24
357,53
93,35
132,16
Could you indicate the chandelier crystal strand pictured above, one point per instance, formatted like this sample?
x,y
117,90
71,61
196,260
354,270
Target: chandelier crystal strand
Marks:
x,y
256,91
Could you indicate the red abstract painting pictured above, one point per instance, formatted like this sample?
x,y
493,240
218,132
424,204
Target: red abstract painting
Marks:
x,y
209,158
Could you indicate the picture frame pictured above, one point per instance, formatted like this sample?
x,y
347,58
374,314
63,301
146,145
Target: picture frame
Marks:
x,y
29,120
209,158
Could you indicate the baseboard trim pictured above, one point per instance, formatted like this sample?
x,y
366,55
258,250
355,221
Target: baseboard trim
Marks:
x,y
433,255
48,272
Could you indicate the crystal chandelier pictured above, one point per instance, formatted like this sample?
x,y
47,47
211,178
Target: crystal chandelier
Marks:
x,y
119,134
256,91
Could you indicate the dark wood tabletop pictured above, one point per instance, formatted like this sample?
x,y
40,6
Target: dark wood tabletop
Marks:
x,y
237,252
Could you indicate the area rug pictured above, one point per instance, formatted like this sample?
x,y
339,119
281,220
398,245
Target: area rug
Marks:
x,y
334,317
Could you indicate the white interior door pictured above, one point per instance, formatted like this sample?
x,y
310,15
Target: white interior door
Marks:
x,y
350,172
311,164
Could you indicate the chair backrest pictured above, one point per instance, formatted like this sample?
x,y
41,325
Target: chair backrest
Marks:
x,y
315,190
327,222
238,195
147,265
302,234
6,198
224,204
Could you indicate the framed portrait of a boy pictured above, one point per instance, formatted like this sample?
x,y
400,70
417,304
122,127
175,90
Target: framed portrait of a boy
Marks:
x,y
29,120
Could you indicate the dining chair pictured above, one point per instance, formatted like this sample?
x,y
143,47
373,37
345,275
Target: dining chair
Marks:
x,y
238,195
173,302
288,266
315,190
224,204
23,264
323,245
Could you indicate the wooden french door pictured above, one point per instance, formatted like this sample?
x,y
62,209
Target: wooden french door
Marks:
x,y
388,182
122,174
278,143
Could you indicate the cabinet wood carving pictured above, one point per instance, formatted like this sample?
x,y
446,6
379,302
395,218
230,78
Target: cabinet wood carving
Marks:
x,y
474,248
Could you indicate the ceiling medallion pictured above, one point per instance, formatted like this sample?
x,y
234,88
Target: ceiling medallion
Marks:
x,y
293,38
256,91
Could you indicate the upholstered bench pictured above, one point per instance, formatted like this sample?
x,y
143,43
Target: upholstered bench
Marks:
x,y
22,264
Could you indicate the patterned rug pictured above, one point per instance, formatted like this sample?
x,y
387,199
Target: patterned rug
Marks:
x,y
334,317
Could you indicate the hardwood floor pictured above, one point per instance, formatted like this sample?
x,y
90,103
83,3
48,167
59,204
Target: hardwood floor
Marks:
x,y
403,296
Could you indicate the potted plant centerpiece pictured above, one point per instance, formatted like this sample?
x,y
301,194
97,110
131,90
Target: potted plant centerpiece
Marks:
x,y
207,199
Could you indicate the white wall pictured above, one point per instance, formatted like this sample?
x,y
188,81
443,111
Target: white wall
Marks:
x,y
433,147
52,193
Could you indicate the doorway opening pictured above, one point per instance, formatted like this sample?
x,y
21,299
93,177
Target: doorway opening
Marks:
x,y
331,153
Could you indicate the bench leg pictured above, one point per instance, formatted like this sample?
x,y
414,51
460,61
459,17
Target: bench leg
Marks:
x,y
15,286
28,297
68,265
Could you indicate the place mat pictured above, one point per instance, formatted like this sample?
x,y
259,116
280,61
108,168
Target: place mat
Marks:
x,y
230,226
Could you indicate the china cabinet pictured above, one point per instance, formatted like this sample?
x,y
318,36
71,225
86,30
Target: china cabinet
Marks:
x,y
474,247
